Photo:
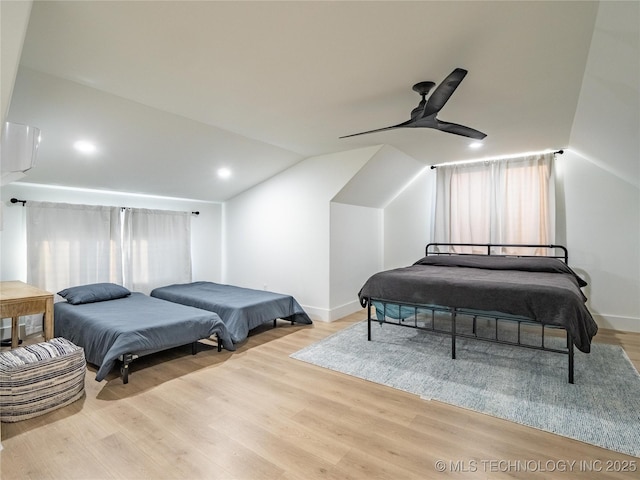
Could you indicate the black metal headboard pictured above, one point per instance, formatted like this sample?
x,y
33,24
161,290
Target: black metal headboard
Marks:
x,y
499,250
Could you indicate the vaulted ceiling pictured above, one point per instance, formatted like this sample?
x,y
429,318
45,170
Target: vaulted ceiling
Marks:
x,y
170,91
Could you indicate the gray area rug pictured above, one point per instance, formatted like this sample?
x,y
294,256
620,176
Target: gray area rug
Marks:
x,y
518,384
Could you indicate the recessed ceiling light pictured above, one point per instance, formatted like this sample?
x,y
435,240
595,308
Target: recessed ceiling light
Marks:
x,y
224,172
84,146
475,145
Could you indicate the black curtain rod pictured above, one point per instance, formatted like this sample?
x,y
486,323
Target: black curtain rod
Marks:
x,y
23,202
557,152
192,213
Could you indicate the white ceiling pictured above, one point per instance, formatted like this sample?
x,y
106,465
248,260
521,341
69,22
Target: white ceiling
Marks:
x,y
170,91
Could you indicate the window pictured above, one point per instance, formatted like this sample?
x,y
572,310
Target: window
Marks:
x,y
156,248
502,201
69,245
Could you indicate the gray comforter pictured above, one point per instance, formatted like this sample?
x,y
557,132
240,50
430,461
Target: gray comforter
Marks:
x,y
241,309
135,324
542,289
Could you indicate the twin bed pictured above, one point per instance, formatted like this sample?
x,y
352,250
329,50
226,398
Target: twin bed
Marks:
x,y
241,309
111,323
498,283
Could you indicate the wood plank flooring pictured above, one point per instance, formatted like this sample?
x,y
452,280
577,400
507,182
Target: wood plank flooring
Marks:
x,y
256,414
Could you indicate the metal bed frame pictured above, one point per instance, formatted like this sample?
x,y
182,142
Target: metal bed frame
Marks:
x,y
127,358
434,249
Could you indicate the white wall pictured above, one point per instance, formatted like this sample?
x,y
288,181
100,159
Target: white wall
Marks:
x,y
206,228
14,19
602,216
601,171
606,125
408,223
379,181
358,219
277,235
356,254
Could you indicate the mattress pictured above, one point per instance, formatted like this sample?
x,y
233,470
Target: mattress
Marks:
x,y
135,324
241,309
541,289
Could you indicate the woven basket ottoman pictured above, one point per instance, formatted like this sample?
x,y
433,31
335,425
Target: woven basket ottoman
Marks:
x,y
36,379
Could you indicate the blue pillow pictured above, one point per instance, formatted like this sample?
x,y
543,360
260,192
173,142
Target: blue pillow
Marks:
x,y
95,292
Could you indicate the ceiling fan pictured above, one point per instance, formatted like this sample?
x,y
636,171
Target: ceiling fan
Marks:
x,y
424,115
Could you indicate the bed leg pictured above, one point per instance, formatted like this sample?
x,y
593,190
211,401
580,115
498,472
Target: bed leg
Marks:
x,y
453,333
570,347
369,321
194,348
219,343
127,358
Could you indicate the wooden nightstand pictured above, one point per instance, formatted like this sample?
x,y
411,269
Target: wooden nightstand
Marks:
x,y
17,298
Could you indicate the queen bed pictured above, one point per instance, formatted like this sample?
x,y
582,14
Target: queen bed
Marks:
x,y
241,309
527,289
111,323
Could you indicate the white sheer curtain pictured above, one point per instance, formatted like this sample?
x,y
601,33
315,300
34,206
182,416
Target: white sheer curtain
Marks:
x,y
70,245
504,201
463,207
526,200
156,248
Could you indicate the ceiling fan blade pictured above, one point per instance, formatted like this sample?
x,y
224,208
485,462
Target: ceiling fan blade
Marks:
x,y
460,130
425,114
400,125
443,91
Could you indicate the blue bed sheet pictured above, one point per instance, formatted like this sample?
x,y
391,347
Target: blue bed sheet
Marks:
x,y
241,309
134,324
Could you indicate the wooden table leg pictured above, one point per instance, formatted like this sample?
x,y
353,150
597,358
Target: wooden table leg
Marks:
x,y
15,330
48,320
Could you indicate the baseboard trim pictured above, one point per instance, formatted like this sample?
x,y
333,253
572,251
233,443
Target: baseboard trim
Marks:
x,y
347,309
332,314
317,314
618,322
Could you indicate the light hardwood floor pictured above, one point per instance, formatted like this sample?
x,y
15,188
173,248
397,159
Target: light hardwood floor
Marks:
x,y
257,414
